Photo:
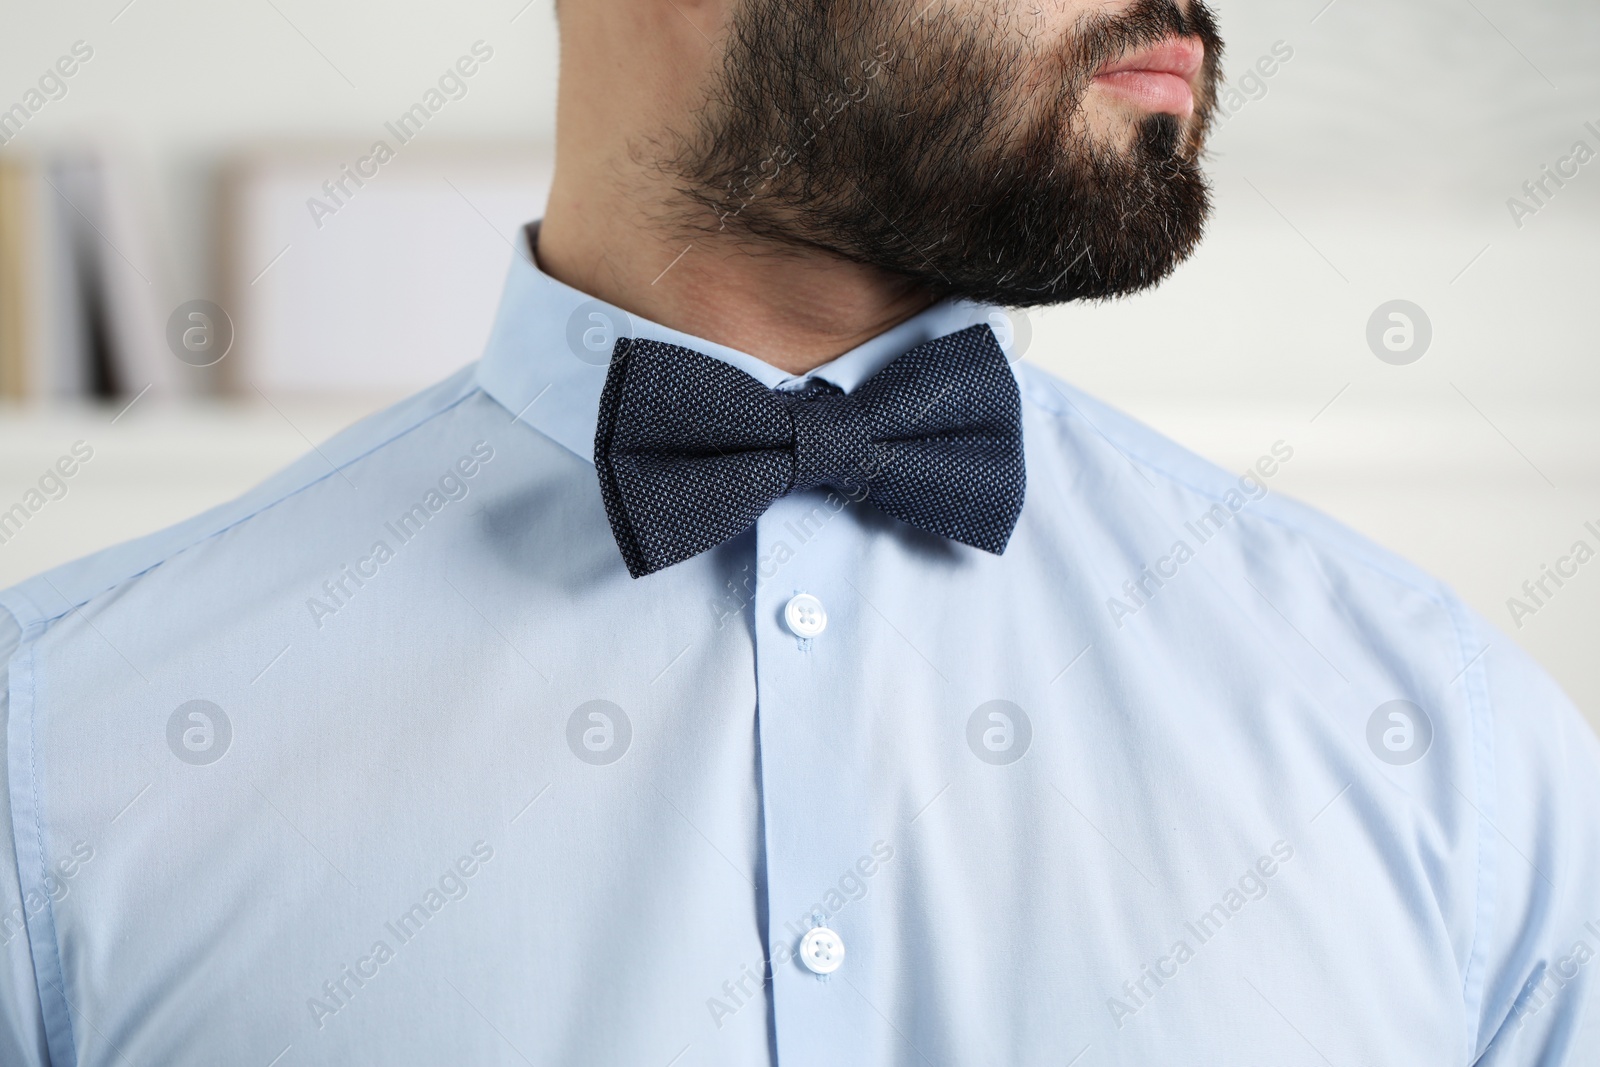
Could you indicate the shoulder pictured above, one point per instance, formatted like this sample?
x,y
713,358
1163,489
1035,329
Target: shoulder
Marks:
x,y
1341,611
90,641
39,601
1501,809
1095,430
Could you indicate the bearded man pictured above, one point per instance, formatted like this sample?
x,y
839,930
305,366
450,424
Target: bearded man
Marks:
x,y
751,661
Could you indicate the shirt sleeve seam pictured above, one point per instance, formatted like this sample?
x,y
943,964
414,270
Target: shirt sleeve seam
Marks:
x,y
32,869
1482,720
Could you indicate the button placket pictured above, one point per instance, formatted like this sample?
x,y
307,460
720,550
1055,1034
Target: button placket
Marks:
x,y
807,543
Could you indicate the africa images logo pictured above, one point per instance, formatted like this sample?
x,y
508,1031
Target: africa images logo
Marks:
x,y
1399,733
199,732
599,732
999,732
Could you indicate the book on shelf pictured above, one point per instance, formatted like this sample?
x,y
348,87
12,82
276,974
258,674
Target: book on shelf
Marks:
x,y
16,206
81,293
326,281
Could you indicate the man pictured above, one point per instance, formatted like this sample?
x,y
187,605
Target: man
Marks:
x,y
747,662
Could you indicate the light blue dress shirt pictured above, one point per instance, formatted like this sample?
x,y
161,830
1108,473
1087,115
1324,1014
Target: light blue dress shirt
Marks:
x,y
390,761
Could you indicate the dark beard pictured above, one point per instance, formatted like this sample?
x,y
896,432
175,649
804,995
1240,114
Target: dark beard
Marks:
x,y
915,146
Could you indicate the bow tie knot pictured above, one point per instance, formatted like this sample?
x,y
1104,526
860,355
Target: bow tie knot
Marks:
x,y
690,451
832,441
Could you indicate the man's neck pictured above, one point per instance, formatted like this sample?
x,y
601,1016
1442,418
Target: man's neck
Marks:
x,y
795,309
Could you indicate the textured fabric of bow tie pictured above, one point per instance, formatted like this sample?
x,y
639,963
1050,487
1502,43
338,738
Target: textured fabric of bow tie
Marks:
x,y
691,451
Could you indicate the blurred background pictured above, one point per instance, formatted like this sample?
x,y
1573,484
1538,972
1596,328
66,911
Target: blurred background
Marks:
x,y
227,230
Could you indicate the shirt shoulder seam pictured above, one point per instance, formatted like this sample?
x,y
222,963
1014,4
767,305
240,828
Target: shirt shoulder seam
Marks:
x,y
1431,588
29,612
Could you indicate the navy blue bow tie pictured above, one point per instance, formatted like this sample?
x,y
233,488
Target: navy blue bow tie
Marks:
x,y
691,451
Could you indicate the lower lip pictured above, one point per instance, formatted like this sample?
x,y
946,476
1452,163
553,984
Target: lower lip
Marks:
x,y
1153,91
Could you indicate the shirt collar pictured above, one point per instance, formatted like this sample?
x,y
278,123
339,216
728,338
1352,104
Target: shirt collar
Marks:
x,y
547,355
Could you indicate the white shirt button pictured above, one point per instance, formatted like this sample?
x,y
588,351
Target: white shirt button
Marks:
x,y
821,950
805,615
